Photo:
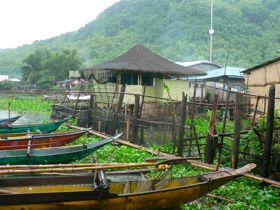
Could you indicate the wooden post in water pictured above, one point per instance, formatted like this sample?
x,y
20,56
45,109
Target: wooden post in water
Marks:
x,y
182,125
237,129
210,143
269,132
128,120
255,112
223,130
264,104
119,106
135,119
90,107
76,104
194,96
202,93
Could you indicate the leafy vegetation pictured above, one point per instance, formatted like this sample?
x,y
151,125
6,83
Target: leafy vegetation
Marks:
x,y
176,29
245,193
24,103
44,68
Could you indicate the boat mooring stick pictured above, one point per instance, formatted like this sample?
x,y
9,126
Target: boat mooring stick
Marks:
x,y
192,162
248,175
81,168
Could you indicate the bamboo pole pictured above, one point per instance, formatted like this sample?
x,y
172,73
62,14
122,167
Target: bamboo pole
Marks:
x,y
210,144
268,132
135,119
81,168
133,145
192,162
77,165
248,175
119,106
255,112
223,131
182,126
128,121
237,130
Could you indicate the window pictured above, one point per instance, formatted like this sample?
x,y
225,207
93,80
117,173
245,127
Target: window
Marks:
x,y
129,79
148,79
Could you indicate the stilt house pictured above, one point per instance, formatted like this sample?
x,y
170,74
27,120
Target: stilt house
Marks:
x,y
143,72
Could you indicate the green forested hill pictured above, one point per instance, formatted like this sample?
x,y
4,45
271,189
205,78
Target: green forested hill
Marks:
x,y
176,29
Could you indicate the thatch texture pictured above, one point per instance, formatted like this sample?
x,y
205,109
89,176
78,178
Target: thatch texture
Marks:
x,y
141,59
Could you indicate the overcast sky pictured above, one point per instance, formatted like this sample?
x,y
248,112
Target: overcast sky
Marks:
x,y
24,21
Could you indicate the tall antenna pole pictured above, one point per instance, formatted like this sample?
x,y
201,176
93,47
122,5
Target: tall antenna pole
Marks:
x,y
211,31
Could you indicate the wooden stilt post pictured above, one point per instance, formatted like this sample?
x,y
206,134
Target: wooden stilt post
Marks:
x,y
210,144
142,103
90,107
117,114
269,132
255,112
223,131
202,93
182,126
237,129
135,119
194,96
128,120
264,104
193,111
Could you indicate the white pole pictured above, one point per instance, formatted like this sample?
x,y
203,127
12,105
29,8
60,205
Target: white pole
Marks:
x,y
211,31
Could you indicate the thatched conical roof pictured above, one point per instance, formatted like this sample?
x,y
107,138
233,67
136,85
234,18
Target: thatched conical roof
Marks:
x,y
141,59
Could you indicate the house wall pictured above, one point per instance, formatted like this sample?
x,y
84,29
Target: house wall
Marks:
x,y
176,88
259,80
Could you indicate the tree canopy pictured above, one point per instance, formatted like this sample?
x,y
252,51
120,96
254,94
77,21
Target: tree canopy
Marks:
x,y
44,68
175,29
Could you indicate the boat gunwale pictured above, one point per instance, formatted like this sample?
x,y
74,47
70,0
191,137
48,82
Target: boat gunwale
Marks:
x,y
89,193
50,135
9,120
34,125
75,149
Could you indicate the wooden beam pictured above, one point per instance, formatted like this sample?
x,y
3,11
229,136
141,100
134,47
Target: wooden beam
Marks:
x,y
182,126
237,130
269,132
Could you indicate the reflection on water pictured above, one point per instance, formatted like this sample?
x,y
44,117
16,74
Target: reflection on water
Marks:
x,y
26,118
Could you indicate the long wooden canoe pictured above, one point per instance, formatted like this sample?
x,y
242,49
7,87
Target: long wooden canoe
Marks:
x,y
53,155
10,120
43,128
79,192
39,140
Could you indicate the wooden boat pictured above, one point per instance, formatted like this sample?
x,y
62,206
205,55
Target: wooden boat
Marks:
x,y
10,120
39,140
52,155
43,128
79,192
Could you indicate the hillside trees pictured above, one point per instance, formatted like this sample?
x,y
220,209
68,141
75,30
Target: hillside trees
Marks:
x,y
44,68
175,29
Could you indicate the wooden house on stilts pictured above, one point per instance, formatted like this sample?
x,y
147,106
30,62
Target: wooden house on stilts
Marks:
x,y
143,72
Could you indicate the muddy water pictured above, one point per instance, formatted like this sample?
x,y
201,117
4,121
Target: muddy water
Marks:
x,y
27,117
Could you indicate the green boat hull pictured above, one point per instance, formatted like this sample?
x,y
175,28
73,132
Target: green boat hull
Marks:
x,y
54,155
43,128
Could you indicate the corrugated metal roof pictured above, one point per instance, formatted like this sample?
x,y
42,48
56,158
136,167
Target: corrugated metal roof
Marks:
x,y
229,72
195,63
